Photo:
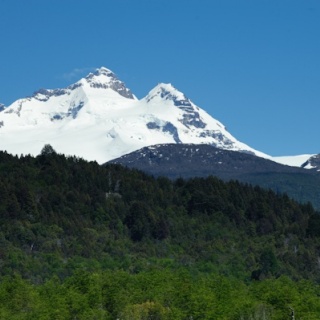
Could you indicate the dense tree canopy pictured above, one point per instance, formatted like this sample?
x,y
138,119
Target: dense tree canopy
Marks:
x,y
106,242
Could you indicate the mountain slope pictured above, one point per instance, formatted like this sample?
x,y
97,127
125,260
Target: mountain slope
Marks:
x,y
189,161
98,118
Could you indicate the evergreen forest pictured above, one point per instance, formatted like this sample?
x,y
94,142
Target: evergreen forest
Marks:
x,y
84,241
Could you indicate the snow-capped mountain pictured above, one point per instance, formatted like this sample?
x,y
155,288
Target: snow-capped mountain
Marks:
x,y
99,118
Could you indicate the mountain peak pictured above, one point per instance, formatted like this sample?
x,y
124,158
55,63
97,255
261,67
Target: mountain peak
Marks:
x,y
166,91
2,107
166,86
104,78
103,71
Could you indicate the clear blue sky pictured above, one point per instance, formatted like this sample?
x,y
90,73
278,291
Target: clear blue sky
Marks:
x,y
252,64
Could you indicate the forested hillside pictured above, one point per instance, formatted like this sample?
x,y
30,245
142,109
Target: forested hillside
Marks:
x,y
106,242
201,160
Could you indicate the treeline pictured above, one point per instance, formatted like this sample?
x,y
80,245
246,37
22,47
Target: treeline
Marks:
x,y
60,215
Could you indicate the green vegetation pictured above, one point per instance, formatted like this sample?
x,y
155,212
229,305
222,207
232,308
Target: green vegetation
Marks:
x,y
81,241
158,294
